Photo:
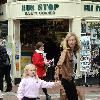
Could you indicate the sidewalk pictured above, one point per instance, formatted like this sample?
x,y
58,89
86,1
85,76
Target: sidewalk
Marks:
x,y
89,93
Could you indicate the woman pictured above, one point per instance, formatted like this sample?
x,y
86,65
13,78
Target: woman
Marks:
x,y
40,63
67,63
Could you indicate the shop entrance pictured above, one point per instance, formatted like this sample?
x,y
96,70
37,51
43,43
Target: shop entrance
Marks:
x,y
44,30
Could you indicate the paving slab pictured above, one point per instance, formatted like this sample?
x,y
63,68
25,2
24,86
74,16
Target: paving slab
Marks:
x,y
89,93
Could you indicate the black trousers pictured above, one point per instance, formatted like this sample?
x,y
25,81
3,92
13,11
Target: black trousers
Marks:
x,y
5,72
99,76
70,89
50,73
26,98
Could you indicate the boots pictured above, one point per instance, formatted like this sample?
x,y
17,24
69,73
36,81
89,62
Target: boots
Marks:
x,y
48,97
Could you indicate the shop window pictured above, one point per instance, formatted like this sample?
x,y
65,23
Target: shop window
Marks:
x,y
95,0
33,31
48,31
92,28
3,1
3,29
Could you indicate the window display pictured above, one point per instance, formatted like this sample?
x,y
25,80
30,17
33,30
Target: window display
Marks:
x,y
85,58
91,28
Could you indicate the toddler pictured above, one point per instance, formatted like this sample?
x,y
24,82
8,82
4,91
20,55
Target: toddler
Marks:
x,y
30,84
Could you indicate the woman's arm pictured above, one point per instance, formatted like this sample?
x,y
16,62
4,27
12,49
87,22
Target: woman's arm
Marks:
x,y
59,64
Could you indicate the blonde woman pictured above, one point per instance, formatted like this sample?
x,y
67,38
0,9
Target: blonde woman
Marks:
x,y
30,84
67,63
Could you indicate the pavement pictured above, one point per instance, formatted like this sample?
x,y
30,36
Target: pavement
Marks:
x,y
88,93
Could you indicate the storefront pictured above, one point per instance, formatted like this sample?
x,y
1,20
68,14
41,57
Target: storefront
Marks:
x,y
32,21
90,26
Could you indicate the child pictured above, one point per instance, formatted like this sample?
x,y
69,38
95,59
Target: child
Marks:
x,y
30,84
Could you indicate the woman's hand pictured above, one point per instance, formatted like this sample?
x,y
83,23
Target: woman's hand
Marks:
x,y
56,76
57,83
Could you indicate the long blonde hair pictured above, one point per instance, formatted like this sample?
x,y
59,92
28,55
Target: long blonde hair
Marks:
x,y
64,43
28,67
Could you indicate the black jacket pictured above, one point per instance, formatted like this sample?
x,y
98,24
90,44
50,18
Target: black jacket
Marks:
x,y
3,56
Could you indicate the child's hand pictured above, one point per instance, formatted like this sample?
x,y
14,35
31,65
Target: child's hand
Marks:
x,y
57,83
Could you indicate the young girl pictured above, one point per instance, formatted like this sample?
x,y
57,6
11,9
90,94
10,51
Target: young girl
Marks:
x,y
30,84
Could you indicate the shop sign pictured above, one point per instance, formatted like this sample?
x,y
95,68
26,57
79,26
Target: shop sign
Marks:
x,y
41,9
92,8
